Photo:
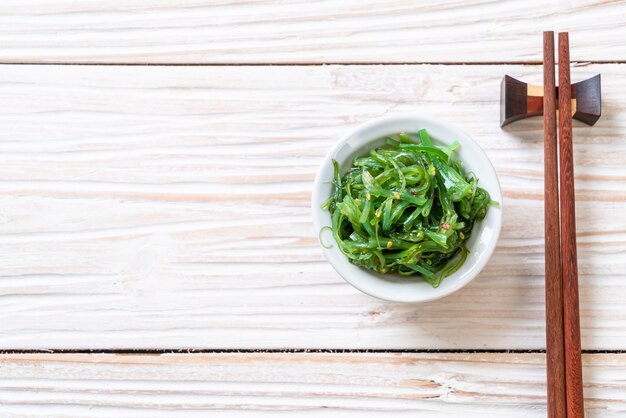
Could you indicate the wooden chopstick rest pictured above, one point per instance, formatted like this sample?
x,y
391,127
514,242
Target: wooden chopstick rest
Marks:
x,y
519,100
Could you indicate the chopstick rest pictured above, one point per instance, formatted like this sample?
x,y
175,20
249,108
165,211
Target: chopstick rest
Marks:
x,y
519,100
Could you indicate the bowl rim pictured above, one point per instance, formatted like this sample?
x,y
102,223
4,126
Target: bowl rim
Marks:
x,y
317,200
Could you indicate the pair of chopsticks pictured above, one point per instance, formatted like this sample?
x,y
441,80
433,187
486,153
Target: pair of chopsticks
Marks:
x,y
563,350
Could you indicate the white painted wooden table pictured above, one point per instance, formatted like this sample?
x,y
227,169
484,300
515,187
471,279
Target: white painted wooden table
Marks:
x,y
158,254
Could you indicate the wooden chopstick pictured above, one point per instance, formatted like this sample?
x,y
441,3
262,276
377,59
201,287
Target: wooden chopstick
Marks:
x,y
555,350
569,268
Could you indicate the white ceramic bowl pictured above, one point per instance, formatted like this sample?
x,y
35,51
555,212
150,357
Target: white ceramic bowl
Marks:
x,y
391,286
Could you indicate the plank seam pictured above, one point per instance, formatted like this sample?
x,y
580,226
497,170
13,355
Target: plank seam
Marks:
x,y
304,64
290,351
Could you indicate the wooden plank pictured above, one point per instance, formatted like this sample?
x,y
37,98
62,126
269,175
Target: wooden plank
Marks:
x,y
347,31
168,207
321,385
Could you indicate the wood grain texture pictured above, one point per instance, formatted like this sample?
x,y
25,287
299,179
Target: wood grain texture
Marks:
x,y
168,207
346,31
320,385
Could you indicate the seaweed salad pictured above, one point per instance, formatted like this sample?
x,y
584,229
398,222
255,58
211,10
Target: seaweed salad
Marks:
x,y
408,207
